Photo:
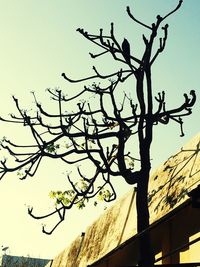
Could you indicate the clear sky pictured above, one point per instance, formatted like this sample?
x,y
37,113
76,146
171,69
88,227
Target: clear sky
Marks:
x,y
38,42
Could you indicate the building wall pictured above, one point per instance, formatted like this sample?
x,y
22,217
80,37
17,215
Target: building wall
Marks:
x,y
176,231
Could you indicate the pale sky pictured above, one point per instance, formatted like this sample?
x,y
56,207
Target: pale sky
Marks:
x,y
38,42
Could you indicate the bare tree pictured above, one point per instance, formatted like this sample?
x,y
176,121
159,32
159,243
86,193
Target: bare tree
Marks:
x,y
102,131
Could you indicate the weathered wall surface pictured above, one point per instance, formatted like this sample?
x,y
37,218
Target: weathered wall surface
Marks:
x,y
168,188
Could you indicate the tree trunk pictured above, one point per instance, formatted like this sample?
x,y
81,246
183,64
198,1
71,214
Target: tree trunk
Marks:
x,y
146,257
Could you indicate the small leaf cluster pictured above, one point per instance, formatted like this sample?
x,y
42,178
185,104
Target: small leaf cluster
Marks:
x,y
104,195
70,196
65,197
52,148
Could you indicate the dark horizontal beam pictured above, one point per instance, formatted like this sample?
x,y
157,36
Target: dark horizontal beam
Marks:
x,y
172,265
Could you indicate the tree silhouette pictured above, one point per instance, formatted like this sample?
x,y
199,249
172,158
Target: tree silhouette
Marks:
x,y
101,131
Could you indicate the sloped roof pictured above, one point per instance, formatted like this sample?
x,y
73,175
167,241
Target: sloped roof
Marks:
x,y
168,188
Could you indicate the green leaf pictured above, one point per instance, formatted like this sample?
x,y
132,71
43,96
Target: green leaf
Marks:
x,y
51,148
52,194
100,196
81,204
